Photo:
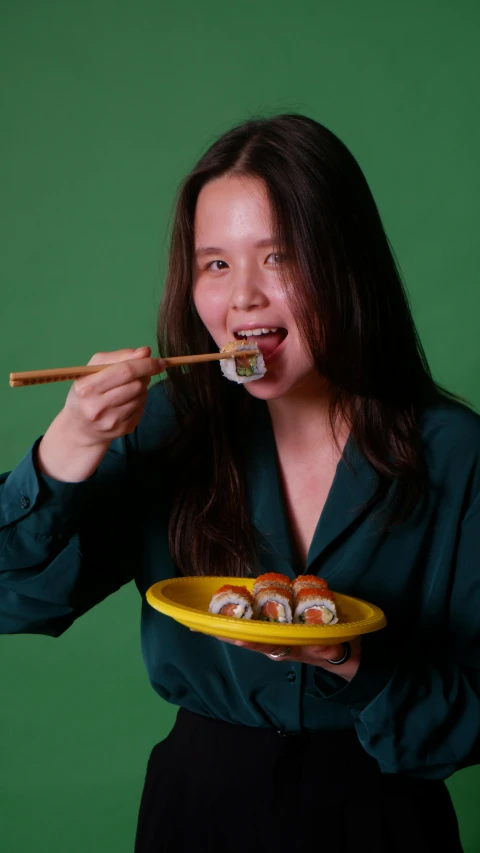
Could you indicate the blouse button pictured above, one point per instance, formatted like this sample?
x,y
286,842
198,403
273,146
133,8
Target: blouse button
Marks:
x,y
291,675
25,502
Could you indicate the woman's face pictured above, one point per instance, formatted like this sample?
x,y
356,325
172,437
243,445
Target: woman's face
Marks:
x,y
238,289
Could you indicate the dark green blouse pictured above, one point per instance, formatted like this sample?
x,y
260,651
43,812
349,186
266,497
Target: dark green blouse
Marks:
x,y
415,700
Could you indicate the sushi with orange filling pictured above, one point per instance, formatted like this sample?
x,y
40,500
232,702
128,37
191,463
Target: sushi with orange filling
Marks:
x,y
231,600
273,604
314,606
243,368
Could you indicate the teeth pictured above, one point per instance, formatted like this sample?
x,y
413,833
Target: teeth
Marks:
x,y
247,333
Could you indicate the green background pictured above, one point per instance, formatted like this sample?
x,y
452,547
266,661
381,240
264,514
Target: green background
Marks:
x,y
105,104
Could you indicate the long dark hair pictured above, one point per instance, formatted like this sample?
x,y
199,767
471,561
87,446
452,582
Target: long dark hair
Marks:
x,y
350,304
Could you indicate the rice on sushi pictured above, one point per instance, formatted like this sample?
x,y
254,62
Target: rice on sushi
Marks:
x,y
273,604
314,606
243,369
231,600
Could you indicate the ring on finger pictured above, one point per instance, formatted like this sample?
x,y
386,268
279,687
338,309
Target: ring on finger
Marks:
x,y
280,653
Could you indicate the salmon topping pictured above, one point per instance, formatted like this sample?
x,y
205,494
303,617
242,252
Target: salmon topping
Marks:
x,y
230,609
270,610
317,616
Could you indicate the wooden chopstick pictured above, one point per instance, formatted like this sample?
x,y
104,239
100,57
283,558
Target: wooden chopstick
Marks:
x,y
61,374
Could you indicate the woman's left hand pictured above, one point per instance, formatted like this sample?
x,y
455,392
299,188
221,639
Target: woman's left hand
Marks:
x,y
313,655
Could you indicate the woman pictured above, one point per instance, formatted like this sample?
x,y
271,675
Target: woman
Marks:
x,y
346,461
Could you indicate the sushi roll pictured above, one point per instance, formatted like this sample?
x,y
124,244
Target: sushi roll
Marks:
x,y
232,600
242,369
315,606
303,581
273,604
272,579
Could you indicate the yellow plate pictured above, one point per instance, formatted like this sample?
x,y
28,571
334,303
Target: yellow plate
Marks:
x,y
186,600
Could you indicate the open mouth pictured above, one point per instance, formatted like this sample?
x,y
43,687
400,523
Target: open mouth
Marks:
x,y
267,339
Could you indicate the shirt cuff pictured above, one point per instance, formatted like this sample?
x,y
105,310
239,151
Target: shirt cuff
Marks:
x,y
375,671
25,489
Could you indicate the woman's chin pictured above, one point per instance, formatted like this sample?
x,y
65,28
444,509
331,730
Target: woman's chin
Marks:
x,y
275,387
268,388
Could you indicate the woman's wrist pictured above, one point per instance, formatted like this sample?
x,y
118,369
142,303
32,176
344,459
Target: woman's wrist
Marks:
x,y
62,457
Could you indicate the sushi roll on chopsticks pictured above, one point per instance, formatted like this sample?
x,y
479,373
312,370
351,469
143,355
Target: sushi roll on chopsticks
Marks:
x,y
231,600
240,368
314,605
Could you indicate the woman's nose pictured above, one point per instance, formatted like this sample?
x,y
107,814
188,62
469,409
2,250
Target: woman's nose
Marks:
x,y
247,292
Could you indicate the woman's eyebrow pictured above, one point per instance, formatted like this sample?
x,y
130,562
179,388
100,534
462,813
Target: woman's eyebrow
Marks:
x,y
216,250
208,250
268,241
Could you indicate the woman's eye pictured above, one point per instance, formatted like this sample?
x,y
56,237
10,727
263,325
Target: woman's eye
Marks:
x,y
216,266
274,258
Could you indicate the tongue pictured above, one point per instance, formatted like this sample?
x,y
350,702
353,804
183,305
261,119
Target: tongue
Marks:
x,y
267,344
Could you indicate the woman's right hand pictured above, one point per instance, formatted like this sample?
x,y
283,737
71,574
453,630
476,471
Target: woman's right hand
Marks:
x,y
110,403
99,408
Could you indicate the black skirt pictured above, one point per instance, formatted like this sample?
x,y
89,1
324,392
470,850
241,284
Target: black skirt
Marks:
x,y
214,787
